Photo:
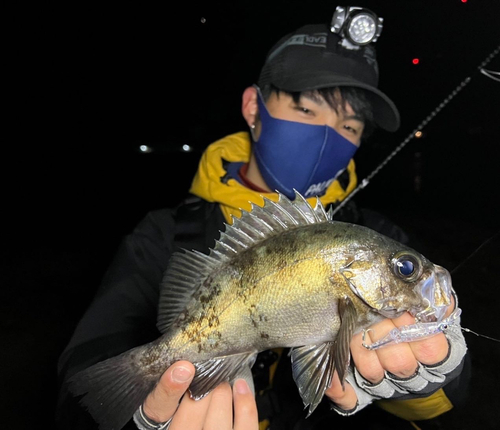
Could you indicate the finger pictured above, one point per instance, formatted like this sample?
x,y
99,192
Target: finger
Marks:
x,y
220,411
344,397
366,361
397,359
245,408
372,364
163,401
434,349
191,414
430,351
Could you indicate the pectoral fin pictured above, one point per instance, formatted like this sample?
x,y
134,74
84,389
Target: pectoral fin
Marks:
x,y
348,318
312,369
313,365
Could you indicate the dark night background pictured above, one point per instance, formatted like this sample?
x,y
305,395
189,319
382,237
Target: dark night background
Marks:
x,y
90,82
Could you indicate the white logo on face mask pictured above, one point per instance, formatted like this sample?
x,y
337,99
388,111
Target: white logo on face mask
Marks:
x,y
318,189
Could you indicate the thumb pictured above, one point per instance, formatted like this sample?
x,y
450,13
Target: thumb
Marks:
x,y
163,401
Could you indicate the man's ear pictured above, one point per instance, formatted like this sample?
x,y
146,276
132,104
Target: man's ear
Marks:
x,y
249,106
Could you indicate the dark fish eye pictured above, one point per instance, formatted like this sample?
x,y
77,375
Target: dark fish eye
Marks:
x,y
407,266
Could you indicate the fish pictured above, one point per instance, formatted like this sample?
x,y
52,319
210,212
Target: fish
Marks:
x,y
283,275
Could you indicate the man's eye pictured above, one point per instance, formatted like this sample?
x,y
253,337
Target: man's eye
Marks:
x,y
350,129
303,110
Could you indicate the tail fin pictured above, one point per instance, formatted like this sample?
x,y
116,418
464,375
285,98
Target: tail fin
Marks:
x,y
114,388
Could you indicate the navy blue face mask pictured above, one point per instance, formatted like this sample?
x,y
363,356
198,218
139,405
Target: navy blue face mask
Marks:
x,y
305,157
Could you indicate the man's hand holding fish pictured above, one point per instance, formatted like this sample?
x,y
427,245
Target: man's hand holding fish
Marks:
x,y
222,409
400,360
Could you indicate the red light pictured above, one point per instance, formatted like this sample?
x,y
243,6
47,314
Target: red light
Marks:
x,y
415,61
464,1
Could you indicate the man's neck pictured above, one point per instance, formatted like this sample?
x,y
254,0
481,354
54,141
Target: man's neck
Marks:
x,y
253,176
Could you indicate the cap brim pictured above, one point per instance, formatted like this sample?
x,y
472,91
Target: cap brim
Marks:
x,y
385,112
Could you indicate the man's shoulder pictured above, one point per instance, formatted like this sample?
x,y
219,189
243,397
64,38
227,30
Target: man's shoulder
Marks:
x,y
190,208
192,223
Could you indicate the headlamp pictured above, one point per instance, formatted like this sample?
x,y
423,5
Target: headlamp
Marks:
x,y
356,25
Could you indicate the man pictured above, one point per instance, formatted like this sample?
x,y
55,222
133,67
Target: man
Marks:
x,y
315,101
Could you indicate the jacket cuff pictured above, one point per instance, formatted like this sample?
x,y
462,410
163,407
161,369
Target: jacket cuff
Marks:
x,y
144,423
364,398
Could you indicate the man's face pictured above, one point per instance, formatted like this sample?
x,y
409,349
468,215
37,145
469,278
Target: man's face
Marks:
x,y
313,109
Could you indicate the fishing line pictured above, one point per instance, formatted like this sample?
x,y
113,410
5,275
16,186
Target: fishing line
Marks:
x,y
480,335
489,73
473,253
486,242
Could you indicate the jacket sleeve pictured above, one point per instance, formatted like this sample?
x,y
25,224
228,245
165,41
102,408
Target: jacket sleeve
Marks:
x,y
123,312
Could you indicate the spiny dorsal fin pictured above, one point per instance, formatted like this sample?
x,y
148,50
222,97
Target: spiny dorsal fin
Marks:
x,y
188,269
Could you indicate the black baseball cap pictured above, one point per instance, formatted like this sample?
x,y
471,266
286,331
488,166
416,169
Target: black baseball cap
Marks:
x,y
312,57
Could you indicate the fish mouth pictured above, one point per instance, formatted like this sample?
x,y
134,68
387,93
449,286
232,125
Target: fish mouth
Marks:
x,y
436,291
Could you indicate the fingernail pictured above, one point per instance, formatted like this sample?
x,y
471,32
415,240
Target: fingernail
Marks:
x,y
181,374
241,386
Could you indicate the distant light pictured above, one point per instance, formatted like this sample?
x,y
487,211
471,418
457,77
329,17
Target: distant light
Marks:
x,y
203,20
415,61
186,148
145,148
418,134
464,1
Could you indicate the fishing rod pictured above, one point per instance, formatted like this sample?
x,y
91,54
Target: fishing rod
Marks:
x,y
364,183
